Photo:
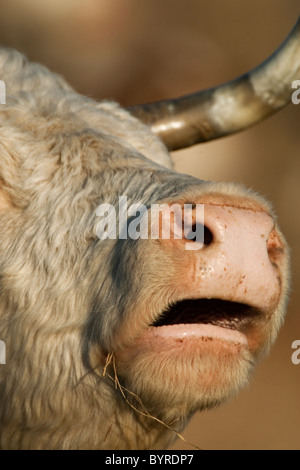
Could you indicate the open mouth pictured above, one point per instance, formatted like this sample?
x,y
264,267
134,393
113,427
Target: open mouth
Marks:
x,y
217,312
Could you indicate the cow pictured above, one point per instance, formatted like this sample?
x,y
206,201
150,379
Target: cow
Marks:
x,y
115,342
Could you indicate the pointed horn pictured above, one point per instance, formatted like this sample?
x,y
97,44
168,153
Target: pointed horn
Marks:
x,y
230,107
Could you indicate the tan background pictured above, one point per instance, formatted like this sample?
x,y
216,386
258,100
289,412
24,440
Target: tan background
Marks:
x,y
139,50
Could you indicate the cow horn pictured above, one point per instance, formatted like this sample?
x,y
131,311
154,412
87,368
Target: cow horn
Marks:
x,y
230,107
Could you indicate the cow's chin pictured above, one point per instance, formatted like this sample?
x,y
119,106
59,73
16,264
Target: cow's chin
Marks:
x,y
177,370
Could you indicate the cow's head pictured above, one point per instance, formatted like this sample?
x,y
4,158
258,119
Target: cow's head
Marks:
x,y
104,331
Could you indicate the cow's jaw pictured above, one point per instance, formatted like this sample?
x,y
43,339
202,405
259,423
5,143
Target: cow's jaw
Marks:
x,y
206,344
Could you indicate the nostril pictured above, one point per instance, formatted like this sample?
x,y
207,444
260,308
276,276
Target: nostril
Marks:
x,y
205,234
274,247
208,236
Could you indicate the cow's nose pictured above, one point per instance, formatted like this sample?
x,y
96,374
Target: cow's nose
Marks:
x,y
238,259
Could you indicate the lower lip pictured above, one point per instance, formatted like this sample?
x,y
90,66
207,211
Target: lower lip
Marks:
x,y
183,332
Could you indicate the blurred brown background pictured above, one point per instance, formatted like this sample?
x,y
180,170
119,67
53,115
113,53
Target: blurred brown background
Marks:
x,y
141,50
